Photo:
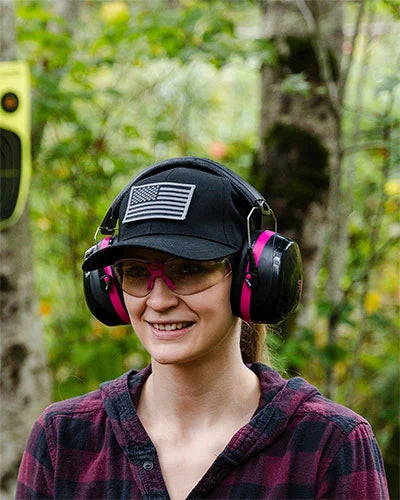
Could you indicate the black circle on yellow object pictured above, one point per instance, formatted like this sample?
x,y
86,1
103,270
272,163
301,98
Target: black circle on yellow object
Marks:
x,y
9,102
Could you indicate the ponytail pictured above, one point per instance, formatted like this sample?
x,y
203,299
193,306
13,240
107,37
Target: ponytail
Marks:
x,y
253,343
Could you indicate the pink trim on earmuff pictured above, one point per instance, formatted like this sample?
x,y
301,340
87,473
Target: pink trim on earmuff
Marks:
x,y
245,297
112,292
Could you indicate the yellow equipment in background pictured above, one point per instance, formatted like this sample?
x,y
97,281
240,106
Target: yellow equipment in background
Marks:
x,y
15,140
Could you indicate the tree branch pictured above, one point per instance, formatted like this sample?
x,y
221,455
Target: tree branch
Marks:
x,y
346,63
375,231
354,148
308,15
321,52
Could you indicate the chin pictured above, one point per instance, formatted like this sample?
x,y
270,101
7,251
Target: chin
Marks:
x,y
169,360
174,356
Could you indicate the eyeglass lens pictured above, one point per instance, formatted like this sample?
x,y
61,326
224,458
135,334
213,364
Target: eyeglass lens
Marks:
x,y
184,277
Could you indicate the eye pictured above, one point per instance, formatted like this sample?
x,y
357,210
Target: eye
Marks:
x,y
135,271
191,268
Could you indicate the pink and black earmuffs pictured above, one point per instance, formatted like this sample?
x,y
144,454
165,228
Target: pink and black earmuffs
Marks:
x,y
213,213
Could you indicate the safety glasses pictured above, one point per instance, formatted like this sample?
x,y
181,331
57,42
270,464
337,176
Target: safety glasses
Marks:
x,y
184,277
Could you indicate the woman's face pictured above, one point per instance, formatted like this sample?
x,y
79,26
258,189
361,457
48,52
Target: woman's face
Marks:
x,y
177,329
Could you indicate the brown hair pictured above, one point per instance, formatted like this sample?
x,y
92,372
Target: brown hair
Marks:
x,y
253,342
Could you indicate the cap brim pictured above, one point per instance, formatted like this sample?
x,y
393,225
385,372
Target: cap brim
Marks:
x,y
187,247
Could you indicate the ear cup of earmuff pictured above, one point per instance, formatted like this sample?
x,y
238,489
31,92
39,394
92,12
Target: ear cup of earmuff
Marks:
x,y
267,281
103,293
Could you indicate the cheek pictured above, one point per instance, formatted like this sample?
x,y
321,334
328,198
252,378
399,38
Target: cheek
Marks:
x,y
218,304
225,296
134,306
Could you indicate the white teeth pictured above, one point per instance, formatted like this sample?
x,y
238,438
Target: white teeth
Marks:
x,y
170,326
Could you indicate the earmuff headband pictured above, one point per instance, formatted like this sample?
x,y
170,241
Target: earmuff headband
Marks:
x,y
251,194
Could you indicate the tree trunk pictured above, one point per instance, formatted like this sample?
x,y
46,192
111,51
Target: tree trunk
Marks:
x,y
24,379
299,131
25,382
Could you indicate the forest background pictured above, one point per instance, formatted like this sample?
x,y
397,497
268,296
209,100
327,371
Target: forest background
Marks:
x,y
117,86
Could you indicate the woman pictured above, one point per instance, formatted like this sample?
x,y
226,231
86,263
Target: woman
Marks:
x,y
190,268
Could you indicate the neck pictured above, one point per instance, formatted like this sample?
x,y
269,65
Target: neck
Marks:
x,y
198,395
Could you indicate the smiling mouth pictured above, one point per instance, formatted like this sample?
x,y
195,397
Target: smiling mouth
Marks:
x,y
167,327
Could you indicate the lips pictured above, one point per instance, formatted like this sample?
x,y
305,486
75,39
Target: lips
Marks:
x,y
171,331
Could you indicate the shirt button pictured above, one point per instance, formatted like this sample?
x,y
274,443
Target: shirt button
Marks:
x,y
148,466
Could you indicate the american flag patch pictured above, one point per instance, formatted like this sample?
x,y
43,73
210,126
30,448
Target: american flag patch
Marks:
x,y
159,200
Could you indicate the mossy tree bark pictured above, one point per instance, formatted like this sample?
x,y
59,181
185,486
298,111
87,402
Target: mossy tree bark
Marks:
x,y
300,159
24,379
300,131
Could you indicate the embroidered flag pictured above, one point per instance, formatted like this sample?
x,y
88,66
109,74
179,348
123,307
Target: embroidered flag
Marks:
x,y
159,200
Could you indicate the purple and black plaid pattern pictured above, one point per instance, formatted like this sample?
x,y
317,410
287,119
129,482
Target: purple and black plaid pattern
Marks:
x,y
298,445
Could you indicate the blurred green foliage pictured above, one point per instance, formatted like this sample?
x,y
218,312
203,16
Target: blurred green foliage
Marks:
x,y
139,82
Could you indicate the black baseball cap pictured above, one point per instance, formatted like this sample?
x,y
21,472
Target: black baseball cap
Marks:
x,y
183,211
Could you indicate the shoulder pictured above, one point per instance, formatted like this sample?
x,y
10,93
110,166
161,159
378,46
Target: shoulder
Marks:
x,y
325,425
79,405
79,414
95,401
330,444
64,421
296,399
309,420
333,430
71,422
350,461
323,409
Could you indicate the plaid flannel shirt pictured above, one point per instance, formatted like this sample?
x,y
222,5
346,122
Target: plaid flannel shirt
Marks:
x,y
298,445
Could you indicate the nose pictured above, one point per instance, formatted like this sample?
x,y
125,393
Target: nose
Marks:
x,y
161,296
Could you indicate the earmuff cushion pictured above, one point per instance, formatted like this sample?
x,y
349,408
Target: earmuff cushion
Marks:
x,y
291,279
